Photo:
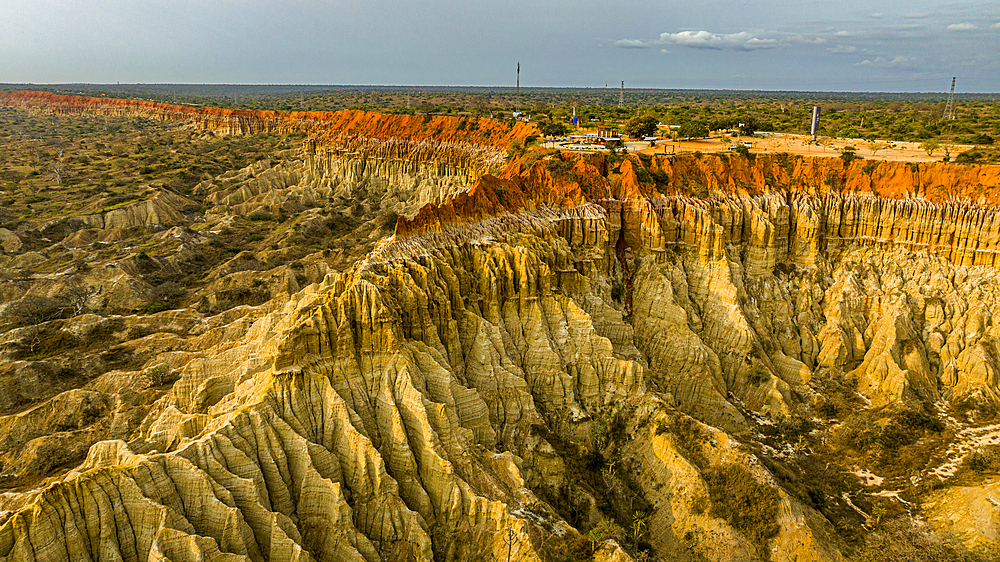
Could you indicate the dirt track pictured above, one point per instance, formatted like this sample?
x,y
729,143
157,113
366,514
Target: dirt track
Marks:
x,y
800,144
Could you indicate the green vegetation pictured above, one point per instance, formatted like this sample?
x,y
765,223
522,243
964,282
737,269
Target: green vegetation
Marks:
x,y
53,165
888,116
642,126
749,506
906,539
848,154
693,130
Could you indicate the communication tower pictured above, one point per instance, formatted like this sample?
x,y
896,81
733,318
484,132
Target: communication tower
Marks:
x,y
517,96
621,96
949,108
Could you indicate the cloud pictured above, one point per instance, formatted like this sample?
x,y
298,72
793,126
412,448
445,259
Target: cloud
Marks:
x,y
883,62
917,16
961,27
742,41
797,38
630,44
843,49
665,52
996,25
842,34
875,15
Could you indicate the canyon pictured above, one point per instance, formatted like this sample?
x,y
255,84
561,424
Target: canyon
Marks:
x,y
516,354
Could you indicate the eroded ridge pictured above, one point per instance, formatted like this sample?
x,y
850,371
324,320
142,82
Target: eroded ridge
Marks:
x,y
548,349
365,420
471,145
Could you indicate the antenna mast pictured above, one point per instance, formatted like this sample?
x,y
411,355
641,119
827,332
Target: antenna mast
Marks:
x,y
621,96
517,101
949,108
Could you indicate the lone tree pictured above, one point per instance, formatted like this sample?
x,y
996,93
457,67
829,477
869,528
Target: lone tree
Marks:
x,y
848,154
929,146
642,126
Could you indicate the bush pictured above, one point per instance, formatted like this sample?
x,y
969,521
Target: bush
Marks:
x,y
908,540
617,290
153,307
982,460
969,157
918,421
260,215
749,506
594,460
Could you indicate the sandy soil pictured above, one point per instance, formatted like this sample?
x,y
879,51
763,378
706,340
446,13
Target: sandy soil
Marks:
x,y
800,144
792,144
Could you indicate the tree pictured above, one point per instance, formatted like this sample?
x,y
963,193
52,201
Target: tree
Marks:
x,y
638,522
848,154
947,148
553,128
929,146
642,126
509,538
693,130
875,146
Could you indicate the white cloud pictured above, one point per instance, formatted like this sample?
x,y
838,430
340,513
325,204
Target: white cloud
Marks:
x,y
742,41
961,27
843,49
842,34
917,16
665,52
797,38
996,25
884,62
630,44
875,15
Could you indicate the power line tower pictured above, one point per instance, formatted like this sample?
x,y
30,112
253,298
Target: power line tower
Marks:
x,y
949,108
517,96
621,96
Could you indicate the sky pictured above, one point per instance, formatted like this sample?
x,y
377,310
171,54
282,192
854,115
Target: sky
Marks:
x,y
809,45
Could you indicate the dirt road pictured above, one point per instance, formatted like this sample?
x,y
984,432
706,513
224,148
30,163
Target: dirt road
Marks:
x,y
801,144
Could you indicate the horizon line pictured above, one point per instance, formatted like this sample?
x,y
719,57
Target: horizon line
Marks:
x,y
415,86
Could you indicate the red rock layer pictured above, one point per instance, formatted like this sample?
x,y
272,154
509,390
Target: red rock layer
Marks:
x,y
782,209
539,178
456,139
935,181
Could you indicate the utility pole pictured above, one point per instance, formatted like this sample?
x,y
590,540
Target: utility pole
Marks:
x,y
517,95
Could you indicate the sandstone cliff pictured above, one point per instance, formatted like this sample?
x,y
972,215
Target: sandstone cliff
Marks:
x,y
548,361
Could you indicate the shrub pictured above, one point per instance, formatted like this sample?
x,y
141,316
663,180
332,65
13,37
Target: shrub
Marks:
x,y
969,157
153,307
260,215
749,506
595,460
757,377
982,460
912,420
617,290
